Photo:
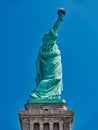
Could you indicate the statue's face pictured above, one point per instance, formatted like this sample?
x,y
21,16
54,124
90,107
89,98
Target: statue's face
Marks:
x,y
51,39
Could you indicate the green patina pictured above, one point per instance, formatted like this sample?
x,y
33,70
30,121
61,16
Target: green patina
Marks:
x,y
48,67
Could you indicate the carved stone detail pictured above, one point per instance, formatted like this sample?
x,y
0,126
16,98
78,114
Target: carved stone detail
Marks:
x,y
66,126
25,126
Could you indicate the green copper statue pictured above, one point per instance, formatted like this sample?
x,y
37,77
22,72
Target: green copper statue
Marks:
x,y
48,65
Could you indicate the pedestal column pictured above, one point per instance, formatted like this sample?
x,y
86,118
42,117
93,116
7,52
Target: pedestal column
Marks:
x,y
51,125
41,125
31,125
60,125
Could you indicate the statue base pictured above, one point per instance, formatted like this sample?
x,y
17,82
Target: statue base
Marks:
x,y
46,116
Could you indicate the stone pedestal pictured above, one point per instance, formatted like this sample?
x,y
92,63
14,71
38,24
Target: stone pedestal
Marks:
x,y
46,116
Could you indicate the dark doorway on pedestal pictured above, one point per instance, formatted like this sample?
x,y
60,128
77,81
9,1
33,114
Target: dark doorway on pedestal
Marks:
x,y
56,126
46,126
36,126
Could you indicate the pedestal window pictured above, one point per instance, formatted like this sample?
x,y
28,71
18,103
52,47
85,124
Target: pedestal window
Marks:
x,y
36,126
46,126
56,126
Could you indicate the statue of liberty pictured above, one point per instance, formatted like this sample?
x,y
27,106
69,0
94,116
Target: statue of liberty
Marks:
x,y
48,65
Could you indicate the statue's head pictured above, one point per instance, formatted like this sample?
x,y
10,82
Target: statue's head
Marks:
x,y
50,38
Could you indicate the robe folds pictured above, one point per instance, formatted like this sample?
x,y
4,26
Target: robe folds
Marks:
x,y
48,73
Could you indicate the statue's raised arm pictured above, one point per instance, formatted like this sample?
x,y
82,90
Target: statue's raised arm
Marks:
x,y
50,37
48,65
61,13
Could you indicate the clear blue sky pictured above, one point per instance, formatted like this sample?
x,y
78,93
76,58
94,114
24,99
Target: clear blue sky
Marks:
x,y
22,26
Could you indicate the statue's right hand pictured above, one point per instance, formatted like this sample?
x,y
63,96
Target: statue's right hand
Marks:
x,y
61,17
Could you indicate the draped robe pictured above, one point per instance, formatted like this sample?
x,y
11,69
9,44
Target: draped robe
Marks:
x,y
48,70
